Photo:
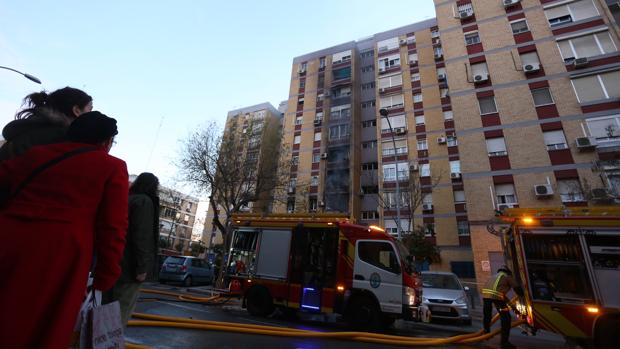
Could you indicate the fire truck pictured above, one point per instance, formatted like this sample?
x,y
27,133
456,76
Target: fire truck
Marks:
x,y
323,264
567,260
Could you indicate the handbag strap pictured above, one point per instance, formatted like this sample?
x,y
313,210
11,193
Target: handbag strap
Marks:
x,y
47,165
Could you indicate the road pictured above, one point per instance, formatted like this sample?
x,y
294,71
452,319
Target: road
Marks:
x,y
165,338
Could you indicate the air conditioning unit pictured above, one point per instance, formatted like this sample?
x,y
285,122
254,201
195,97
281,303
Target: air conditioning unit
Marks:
x,y
301,70
321,203
400,130
324,156
438,55
530,68
600,194
327,94
455,175
402,42
543,190
414,167
411,40
427,207
291,190
585,143
441,140
502,207
465,14
580,62
441,77
510,2
382,89
481,77
317,122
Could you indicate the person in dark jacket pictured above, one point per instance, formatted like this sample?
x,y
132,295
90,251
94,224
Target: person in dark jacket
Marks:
x,y
140,254
51,229
45,120
495,293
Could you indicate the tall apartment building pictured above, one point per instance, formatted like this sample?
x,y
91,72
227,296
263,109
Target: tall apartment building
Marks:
x,y
493,104
248,126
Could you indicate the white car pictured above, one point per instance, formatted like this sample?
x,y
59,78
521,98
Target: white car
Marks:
x,y
445,296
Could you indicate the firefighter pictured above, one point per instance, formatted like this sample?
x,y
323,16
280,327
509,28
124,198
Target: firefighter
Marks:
x,y
495,293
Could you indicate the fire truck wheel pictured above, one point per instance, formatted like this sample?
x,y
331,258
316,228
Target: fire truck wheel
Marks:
x,y
387,321
188,281
606,335
363,313
259,302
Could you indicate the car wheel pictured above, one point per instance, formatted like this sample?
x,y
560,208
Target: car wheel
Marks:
x,y
363,313
188,281
259,302
163,282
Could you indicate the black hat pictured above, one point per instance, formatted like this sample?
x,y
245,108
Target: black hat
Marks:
x,y
92,128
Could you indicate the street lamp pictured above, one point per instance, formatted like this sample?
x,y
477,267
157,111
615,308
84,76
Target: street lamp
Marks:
x,y
27,76
384,113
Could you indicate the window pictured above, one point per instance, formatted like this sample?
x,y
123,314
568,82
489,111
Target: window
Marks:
x,y
441,71
389,171
505,194
467,8
411,39
366,86
429,229
389,62
480,69
340,112
530,58
299,120
370,189
302,83
391,81
415,77
368,166
319,116
321,62
302,67
341,57
392,101
427,199
369,53
605,129
368,68
435,33
425,170
300,101
462,228
290,205
379,254
312,204
316,157
487,105
343,73
369,123
370,215
455,166
317,136
571,12
388,147
292,184
295,160
555,140
368,104
344,91
586,46
443,92
459,196
438,52
567,281
387,45
314,181
389,200
451,141
321,82
519,27
395,121
422,144
417,97
496,146
338,132
413,58
472,38
464,270
542,96
369,145
297,139
448,115
570,190
596,87
419,120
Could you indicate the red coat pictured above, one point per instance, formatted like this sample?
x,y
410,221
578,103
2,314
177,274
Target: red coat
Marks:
x,y
49,232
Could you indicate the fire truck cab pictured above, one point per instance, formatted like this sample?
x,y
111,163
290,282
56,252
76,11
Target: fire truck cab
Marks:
x,y
567,261
323,264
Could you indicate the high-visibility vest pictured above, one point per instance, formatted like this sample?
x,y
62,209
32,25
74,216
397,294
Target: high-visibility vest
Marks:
x,y
492,290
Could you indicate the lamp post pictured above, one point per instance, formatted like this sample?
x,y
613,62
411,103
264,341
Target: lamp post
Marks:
x,y
27,76
384,113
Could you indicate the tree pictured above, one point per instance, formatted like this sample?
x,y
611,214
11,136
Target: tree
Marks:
x,y
420,247
179,246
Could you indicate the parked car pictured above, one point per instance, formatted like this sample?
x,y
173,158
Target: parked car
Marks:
x,y
186,269
445,296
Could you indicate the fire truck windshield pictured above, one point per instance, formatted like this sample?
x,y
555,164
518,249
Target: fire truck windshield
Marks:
x,y
406,257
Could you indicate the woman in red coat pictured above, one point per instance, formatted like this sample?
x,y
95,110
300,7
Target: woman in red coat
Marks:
x,y
51,228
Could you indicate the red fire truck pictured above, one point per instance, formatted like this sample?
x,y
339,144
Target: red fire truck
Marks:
x,y
568,263
323,264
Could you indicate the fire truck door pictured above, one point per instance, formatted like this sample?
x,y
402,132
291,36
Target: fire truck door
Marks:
x,y
377,269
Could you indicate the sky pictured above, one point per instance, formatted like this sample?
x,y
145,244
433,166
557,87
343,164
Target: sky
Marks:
x,y
164,68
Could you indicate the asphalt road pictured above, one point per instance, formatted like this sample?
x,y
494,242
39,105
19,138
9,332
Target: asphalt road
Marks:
x,y
165,338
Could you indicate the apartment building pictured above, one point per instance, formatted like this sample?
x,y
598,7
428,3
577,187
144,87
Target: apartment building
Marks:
x,y
248,127
493,104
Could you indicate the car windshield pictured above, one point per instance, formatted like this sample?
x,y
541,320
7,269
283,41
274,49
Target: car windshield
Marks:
x,y
175,260
448,282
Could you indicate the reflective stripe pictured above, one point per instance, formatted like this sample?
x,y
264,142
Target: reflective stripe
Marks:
x,y
499,278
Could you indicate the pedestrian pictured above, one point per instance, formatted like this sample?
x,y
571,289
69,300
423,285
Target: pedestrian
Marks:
x,y
495,293
44,120
74,207
142,242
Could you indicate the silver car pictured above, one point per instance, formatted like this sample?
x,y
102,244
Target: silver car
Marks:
x,y
445,296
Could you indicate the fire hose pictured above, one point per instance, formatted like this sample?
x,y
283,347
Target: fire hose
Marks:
x,y
184,323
